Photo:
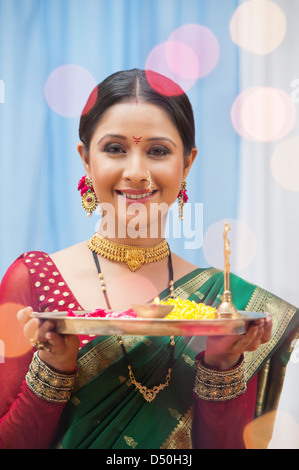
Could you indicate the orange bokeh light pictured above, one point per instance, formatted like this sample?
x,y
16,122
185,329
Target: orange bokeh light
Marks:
x,y
13,341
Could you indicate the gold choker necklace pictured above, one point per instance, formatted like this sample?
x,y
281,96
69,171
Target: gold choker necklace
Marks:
x,y
133,256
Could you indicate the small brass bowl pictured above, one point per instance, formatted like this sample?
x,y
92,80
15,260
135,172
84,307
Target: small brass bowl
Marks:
x,y
152,310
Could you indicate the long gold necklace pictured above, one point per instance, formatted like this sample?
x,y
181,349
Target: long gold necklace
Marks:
x,y
133,256
149,394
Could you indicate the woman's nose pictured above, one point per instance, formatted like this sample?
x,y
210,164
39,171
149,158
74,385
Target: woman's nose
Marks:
x,y
135,169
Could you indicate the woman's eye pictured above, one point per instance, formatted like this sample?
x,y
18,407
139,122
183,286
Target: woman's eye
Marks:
x,y
114,148
158,151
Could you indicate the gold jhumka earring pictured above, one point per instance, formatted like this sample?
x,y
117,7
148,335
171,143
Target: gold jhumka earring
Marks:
x,y
89,198
182,197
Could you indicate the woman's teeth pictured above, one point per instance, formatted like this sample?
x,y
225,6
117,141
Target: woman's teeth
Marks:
x,y
135,196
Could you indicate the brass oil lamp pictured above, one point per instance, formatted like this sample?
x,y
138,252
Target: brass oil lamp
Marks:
x,y
226,309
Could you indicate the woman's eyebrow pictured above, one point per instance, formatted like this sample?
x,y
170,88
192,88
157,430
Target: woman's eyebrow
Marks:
x,y
161,138
115,136
123,137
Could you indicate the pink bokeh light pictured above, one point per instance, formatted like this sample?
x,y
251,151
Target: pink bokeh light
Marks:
x,y
162,60
67,89
203,43
263,114
191,52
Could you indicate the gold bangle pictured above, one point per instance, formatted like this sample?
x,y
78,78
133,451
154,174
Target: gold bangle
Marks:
x,y
219,385
47,384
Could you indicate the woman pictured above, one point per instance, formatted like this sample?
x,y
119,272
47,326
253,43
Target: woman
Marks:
x,y
137,146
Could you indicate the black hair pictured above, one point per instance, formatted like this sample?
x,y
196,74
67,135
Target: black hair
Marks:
x,y
131,85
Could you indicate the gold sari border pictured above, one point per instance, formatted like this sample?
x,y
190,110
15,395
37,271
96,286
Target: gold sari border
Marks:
x,y
180,438
281,312
185,290
102,355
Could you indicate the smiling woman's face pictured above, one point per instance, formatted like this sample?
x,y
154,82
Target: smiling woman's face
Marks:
x,y
130,141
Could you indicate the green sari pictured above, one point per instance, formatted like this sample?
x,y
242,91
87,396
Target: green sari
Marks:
x,y
107,412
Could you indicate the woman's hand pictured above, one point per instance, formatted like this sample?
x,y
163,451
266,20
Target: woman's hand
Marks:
x,y
59,351
223,352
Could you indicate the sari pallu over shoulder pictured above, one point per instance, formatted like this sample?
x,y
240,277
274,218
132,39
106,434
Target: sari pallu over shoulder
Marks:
x,y
107,412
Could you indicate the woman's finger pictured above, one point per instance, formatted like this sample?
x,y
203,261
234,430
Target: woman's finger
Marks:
x,y
262,335
35,331
244,341
31,327
44,327
24,315
267,329
257,340
56,342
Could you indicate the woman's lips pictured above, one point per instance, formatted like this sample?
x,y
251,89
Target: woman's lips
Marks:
x,y
141,196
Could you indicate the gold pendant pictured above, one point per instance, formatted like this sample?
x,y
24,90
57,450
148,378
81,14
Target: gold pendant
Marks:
x,y
134,259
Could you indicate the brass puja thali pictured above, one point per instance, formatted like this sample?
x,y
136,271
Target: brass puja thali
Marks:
x,y
161,318
149,326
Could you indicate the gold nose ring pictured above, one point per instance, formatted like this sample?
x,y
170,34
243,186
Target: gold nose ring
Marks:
x,y
150,183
